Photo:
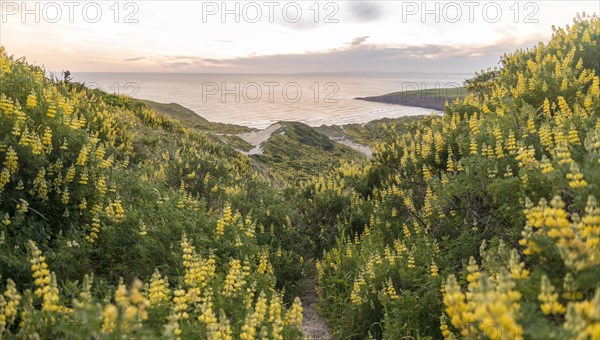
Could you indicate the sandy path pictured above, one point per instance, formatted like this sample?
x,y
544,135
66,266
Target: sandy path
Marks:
x,y
313,326
364,149
257,138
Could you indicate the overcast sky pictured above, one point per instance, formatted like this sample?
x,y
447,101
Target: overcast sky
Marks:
x,y
277,37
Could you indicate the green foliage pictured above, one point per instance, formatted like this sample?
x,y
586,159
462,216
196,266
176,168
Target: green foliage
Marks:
x,y
443,185
104,185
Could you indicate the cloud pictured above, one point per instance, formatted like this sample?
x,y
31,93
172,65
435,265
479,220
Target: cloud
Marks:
x,y
358,56
303,24
359,40
339,12
189,62
135,59
366,11
177,64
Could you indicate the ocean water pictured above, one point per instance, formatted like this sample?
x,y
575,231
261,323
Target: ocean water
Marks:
x,y
259,100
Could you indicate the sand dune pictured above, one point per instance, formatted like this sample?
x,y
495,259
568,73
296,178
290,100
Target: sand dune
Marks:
x,y
257,138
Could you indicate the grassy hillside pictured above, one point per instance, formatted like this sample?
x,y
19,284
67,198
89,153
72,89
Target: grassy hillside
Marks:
x,y
226,132
295,148
99,192
483,223
191,119
297,151
370,133
427,98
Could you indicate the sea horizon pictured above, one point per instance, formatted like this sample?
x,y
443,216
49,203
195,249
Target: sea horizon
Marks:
x,y
258,100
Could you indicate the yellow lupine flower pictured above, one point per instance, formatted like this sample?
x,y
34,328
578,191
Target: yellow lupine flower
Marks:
x,y
248,331
293,316
6,105
583,318
207,316
64,145
11,160
65,196
6,219
275,317
263,262
39,268
47,138
51,113
433,269
9,304
517,268
94,230
234,279
109,318
550,305
101,185
570,288
83,179
546,165
260,309
31,101
574,136
445,329
100,153
575,178
180,304
115,211
224,331
223,221
83,155
390,291
355,296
